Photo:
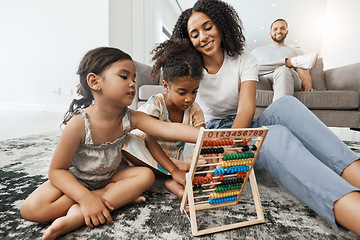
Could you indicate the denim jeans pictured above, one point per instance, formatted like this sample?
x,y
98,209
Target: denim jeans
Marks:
x,y
303,155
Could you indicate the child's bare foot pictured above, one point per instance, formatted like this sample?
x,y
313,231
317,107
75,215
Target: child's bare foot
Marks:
x,y
73,220
140,199
59,227
175,187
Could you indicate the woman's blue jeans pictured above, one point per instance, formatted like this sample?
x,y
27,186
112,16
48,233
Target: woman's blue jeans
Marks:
x,y
302,154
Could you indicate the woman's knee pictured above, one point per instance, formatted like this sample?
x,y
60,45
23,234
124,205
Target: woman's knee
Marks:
x,y
286,105
277,133
288,100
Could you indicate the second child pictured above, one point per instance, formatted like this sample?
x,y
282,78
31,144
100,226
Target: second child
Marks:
x,y
182,70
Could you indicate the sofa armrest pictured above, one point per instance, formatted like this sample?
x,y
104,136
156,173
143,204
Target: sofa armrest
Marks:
x,y
142,78
343,78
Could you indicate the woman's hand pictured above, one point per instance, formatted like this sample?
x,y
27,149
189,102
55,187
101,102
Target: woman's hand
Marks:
x,y
95,210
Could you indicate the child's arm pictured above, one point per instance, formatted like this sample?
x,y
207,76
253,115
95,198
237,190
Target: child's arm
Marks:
x,y
160,156
164,130
94,208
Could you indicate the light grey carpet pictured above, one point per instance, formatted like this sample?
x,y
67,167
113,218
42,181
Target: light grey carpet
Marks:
x,y
24,164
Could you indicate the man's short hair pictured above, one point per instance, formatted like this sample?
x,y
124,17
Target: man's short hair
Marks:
x,y
277,20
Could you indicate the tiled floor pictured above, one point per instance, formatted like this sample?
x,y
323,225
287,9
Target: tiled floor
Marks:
x,y
15,123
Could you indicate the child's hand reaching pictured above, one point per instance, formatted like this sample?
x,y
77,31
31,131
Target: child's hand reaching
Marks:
x,y
176,185
95,210
179,176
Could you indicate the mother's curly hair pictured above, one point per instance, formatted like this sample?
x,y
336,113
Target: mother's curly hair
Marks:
x,y
224,17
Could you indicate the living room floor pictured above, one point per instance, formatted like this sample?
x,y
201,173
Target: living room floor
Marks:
x,y
21,123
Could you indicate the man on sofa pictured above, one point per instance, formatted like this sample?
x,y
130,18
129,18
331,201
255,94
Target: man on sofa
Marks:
x,y
285,67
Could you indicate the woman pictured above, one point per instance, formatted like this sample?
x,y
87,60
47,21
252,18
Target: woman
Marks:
x,y
299,150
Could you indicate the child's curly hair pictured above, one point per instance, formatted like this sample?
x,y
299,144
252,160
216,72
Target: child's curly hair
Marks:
x,y
176,59
224,17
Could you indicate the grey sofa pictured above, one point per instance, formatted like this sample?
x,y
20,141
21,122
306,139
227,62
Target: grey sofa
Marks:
x,y
336,101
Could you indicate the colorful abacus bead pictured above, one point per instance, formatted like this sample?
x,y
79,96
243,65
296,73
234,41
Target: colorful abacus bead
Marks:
x,y
212,150
241,174
228,187
223,199
217,142
245,148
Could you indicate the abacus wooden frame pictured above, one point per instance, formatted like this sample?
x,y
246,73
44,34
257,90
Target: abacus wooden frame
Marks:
x,y
188,203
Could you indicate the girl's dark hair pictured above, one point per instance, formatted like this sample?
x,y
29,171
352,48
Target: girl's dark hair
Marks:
x,y
94,61
176,59
225,19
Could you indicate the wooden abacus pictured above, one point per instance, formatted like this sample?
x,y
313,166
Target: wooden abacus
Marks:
x,y
225,180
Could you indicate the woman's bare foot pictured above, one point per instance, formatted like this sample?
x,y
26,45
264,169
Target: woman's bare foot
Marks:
x,y
73,220
175,187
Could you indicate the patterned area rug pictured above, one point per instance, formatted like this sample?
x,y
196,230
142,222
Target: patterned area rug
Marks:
x,y
24,164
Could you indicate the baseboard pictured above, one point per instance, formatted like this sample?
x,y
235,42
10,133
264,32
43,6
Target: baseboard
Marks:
x,y
33,107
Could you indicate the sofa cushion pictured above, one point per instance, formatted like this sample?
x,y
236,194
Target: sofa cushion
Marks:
x,y
146,91
318,76
264,97
264,84
331,100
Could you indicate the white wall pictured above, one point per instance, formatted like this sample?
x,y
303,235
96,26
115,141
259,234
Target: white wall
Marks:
x,y
305,19
340,44
135,26
41,45
121,25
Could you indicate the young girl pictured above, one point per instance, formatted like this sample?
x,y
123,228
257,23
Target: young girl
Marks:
x,y
299,150
182,71
85,181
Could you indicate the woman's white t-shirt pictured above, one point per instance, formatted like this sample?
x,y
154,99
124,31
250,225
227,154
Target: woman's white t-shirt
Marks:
x,y
218,94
